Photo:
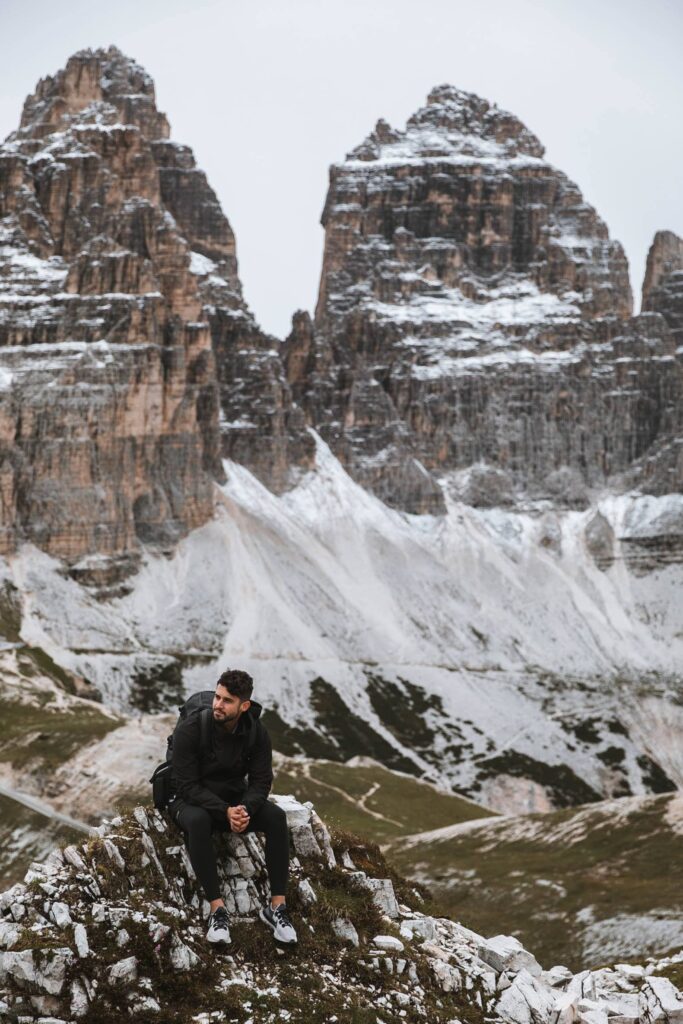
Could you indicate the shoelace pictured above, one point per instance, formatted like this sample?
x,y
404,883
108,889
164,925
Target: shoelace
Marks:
x,y
280,912
220,916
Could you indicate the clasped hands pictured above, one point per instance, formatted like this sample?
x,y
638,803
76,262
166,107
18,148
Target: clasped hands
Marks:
x,y
238,818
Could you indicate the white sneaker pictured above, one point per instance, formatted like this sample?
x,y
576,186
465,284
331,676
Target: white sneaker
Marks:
x,y
218,927
278,920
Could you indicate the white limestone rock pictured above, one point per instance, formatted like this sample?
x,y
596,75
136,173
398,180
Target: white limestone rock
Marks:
x,y
624,1005
159,932
305,842
661,1001
141,818
435,950
16,894
182,957
591,1011
9,933
19,967
558,975
565,1010
73,857
382,892
298,814
306,892
81,940
79,999
506,953
526,1001
18,911
388,942
142,1003
345,930
99,912
124,972
323,837
582,985
60,915
632,972
448,977
242,897
151,852
52,968
424,926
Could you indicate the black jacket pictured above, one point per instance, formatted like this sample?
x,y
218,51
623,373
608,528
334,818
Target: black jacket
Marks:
x,y
238,770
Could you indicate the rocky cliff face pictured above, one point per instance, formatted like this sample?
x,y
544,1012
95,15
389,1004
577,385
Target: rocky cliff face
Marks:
x,y
663,284
259,426
114,928
473,311
106,360
118,280
473,328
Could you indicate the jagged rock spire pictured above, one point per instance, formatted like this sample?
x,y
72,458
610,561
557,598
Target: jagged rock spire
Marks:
x,y
478,317
452,123
663,283
101,85
110,235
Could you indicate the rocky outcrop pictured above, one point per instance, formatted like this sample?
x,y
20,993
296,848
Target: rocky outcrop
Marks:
x,y
662,470
115,928
259,426
118,283
473,311
473,317
663,284
109,404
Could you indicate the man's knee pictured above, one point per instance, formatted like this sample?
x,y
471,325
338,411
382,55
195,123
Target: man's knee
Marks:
x,y
271,818
195,820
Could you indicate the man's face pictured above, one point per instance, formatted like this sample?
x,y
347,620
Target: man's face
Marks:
x,y
227,708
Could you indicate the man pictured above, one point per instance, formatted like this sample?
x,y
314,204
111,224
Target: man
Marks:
x,y
227,791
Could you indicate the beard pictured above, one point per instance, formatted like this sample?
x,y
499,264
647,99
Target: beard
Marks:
x,y
224,718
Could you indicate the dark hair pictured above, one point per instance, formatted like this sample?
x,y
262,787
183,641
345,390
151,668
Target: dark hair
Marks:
x,y
238,683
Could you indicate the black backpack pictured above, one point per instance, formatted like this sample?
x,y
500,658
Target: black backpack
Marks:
x,y
198,704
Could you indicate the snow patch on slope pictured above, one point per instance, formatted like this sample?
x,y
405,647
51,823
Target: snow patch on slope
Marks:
x,y
509,637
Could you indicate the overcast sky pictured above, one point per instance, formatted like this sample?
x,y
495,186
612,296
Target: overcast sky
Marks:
x,y
269,92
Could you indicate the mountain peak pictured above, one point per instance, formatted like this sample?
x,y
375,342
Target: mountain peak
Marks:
x,y
99,86
452,124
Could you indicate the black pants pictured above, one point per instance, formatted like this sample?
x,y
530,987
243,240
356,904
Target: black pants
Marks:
x,y
198,825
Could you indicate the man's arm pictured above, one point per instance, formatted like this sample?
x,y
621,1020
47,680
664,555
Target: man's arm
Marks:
x,y
187,771
260,773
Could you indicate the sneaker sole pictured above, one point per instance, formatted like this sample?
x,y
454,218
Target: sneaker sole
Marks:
x,y
282,942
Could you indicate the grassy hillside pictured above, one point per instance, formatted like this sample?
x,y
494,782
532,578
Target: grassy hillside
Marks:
x,y
364,797
43,725
580,886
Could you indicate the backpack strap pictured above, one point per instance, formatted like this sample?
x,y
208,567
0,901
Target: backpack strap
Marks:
x,y
205,730
253,736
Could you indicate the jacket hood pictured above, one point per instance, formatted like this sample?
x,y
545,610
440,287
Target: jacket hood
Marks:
x,y
255,709
248,720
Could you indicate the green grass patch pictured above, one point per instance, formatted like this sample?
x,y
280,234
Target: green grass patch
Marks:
x,y
372,800
494,880
565,787
42,734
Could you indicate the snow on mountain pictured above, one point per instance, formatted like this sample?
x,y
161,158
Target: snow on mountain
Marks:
x,y
486,648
